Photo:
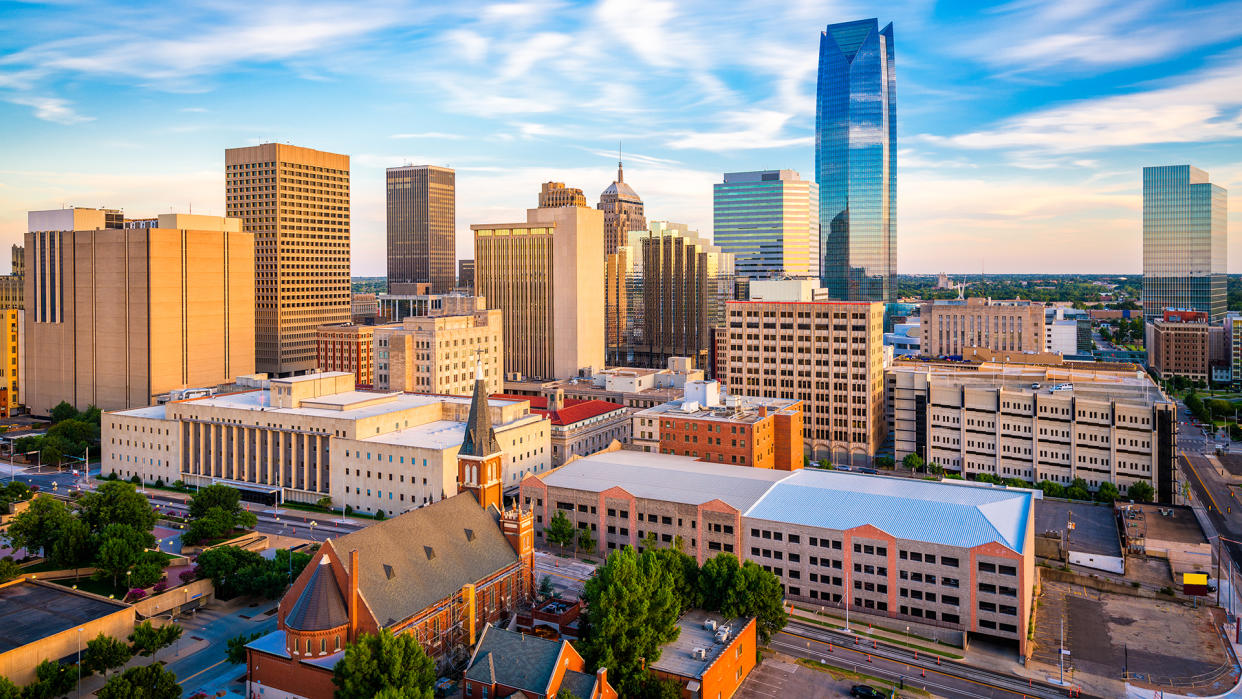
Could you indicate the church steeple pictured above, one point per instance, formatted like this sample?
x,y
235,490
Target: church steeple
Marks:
x,y
479,461
480,437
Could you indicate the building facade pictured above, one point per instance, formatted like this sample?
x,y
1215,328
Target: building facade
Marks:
x,y
1185,240
554,194
422,225
623,212
635,388
295,201
347,348
1099,422
829,355
664,292
119,316
769,221
579,427
544,275
395,308
856,161
12,356
951,327
465,275
1184,343
437,354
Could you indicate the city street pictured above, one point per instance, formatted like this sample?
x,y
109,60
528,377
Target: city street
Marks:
x,y
207,670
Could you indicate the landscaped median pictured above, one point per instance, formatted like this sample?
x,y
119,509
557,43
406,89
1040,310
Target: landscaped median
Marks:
x,y
838,673
880,634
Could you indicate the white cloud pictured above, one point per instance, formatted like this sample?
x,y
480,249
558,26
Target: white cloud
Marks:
x,y
52,109
438,135
752,129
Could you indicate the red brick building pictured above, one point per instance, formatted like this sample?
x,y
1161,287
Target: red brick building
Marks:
x,y
509,663
347,347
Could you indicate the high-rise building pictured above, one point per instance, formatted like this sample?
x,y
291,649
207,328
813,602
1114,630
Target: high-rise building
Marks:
x,y
665,290
296,203
465,275
623,212
1184,242
12,357
544,275
856,161
953,326
554,194
422,224
11,286
119,316
769,221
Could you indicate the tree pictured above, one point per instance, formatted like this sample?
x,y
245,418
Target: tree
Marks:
x,y
1141,492
38,528
216,495
387,665
560,530
884,462
237,647
1052,489
63,411
236,571
8,690
8,569
148,569
380,515
325,502
142,682
683,572
716,581
73,545
1078,490
148,640
118,550
912,461
104,653
117,502
545,587
935,469
585,543
757,592
1107,492
216,511
54,679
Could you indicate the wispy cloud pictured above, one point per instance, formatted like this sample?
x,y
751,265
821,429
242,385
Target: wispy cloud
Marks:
x,y
52,109
749,130
438,135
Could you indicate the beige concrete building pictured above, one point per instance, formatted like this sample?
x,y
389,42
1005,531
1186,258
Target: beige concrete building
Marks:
x,y
394,308
635,388
437,354
119,316
829,355
579,427
950,327
347,347
554,194
1183,343
1096,421
544,275
296,203
306,437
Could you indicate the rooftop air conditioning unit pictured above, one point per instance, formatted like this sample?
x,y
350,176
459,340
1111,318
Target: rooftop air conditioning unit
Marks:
x,y
700,653
722,635
709,624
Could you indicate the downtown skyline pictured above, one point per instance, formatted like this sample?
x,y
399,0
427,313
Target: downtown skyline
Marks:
x,y
1022,131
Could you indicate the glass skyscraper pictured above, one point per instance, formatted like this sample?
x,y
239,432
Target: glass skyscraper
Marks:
x,y
1184,238
856,161
769,220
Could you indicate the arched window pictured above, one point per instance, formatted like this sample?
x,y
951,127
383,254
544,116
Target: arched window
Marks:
x,y
323,646
308,646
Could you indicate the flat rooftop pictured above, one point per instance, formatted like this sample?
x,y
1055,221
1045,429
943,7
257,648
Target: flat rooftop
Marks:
x,y
30,611
1105,384
369,404
746,410
1095,526
677,658
1172,524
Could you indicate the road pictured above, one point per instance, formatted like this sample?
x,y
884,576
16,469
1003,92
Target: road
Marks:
x,y
947,679
207,670
1206,486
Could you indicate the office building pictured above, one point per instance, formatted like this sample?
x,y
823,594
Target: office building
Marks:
x,y
554,194
422,225
465,275
307,437
347,348
438,354
664,292
1183,343
769,221
828,355
12,356
856,161
12,285
119,316
954,555
394,308
544,275
623,212
950,327
1185,236
739,430
1092,420
579,426
1067,330
635,388
1233,333
443,574
363,308
711,655
296,203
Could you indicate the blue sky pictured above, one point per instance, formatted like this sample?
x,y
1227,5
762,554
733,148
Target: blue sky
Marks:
x,y
1022,127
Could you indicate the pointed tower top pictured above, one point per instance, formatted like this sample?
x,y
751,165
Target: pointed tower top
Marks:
x,y
480,437
620,175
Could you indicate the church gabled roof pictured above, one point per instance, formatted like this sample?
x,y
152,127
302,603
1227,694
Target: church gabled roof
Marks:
x,y
321,606
480,437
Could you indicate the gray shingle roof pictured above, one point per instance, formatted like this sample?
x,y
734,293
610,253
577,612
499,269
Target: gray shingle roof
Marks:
x,y
514,660
578,684
416,559
321,605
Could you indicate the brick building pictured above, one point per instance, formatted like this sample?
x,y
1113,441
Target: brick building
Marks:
x,y
579,427
346,347
711,657
508,663
1183,343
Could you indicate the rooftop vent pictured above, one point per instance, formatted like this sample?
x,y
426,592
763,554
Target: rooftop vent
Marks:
x,y
431,553
700,653
389,572
469,535
709,624
722,635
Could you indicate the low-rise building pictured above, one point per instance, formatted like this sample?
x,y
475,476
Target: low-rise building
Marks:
x,y
711,657
951,554
579,427
1091,420
508,663
438,353
950,326
347,347
1184,343
629,386
741,430
363,308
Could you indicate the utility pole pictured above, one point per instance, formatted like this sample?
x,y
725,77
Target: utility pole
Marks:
x,y
1062,652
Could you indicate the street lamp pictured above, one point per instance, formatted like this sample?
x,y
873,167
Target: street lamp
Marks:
x,y
312,530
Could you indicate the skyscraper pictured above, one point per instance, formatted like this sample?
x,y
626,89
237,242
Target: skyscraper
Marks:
x,y
769,220
296,202
623,212
1184,239
554,194
422,220
856,161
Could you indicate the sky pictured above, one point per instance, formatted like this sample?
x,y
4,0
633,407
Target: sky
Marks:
x,y
1022,127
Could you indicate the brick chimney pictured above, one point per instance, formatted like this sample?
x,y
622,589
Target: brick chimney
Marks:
x,y
763,411
601,677
353,595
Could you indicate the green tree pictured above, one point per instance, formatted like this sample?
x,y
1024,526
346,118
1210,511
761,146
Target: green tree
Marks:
x,y
148,640
148,569
39,527
757,592
54,679
585,543
1107,492
1078,490
884,462
1052,489
683,571
384,665
715,581
631,612
104,653
63,411
8,569
380,515
216,495
116,502
545,587
325,502
912,461
73,545
935,469
560,530
1141,492
237,647
8,690
114,558
142,682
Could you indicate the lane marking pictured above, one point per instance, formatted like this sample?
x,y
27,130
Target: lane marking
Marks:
x,y
1201,483
187,679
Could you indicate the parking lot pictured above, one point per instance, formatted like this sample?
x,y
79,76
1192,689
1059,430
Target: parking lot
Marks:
x,y
773,679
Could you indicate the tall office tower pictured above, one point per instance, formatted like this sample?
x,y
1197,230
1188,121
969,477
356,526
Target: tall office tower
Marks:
x,y
554,194
544,275
665,290
118,316
769,220
11,286
296,202
1184,242
465,275
856,161
422,221
623,212
18,261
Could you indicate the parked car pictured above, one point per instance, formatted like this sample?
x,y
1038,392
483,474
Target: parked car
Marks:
x,y
866,691
868,470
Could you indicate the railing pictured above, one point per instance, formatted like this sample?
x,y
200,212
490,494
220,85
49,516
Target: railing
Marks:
x,y
1189,682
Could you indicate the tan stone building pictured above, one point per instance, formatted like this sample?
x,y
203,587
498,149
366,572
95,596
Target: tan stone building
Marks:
x,y
1183,343
554,194
950,327
347,347
623,212
296,203
437,354
544,275
827,354
1096,421
306,437
11,286
119,316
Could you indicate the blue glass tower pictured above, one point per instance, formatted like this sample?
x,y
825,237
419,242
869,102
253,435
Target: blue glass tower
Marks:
x,y
856,161
1185,238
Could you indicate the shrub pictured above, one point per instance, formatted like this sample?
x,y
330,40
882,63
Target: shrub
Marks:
x,y
135,479
160,586
159,482
136,594
188,576
1166,590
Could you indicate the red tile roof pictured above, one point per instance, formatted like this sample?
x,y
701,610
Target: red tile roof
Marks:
x,y
573,410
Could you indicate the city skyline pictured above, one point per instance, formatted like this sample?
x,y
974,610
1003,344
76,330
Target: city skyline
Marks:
x,y
1013,150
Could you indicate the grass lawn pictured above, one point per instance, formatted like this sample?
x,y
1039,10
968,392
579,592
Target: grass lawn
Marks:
x,y
102,588
841,674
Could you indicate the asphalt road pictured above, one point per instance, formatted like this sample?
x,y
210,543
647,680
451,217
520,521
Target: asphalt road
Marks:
x,y
207,670
1206,486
